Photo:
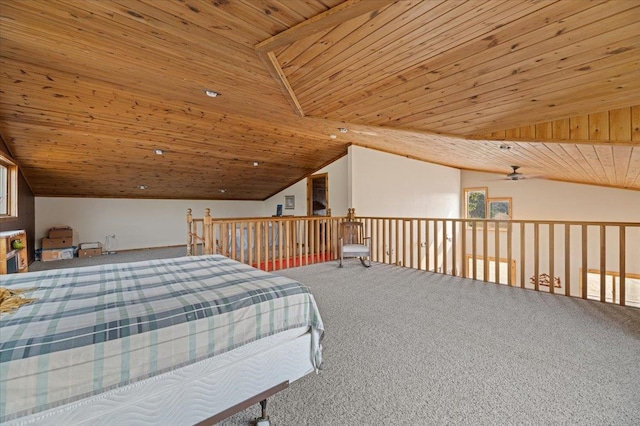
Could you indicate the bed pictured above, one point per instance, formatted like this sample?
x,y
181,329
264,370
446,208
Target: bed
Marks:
x,y
172,341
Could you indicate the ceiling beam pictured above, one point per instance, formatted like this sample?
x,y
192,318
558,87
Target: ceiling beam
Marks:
x,y
332,17
273,66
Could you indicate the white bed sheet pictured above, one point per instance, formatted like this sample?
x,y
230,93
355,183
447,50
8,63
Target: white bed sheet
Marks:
x,y
194,392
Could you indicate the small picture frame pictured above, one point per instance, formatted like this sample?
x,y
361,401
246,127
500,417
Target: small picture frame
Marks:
x,y
279,210
289,202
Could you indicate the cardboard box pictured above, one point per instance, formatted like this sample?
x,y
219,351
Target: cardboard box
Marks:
x,y
90,252
55,243
61,232
57,254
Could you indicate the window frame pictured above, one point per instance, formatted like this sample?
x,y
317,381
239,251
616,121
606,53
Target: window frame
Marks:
x,y
503,226
466,192
12,188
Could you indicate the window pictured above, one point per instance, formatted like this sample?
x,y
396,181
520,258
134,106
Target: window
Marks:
x,y
612,287
475,204
478,205
8,188
499,209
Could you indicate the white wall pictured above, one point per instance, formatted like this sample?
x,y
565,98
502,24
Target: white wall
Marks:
x,y
160,223
338,202
387,185
543,199
135,223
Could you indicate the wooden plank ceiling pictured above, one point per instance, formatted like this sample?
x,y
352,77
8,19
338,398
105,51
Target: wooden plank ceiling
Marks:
x,y
89,89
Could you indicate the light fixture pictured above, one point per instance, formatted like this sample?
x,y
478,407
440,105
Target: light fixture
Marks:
x,y
505,147
222,191
211,93
142,187
332,136
158,151
343,130
255,164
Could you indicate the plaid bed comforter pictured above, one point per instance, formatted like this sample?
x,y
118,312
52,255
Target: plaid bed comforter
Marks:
x,y
97,328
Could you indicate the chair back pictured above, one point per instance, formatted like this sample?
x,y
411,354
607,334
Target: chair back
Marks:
x,y
351,233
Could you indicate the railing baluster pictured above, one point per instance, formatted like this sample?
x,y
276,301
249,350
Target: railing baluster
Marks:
x,y
485,251
623,265
259,226
567,259
474,249
496,248
387,247
264,244
603,263
552,275
509,254
454,247
463,249
411,243
444,247
280,245
522,253
232,240
318,241
536,256
436,268
583,274
427,247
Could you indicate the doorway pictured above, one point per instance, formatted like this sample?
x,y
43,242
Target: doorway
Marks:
x,y
318,195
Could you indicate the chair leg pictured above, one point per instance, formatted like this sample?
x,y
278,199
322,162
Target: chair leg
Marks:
x,y
340,261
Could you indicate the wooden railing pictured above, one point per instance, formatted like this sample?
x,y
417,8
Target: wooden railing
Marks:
x,y
550,256
265,243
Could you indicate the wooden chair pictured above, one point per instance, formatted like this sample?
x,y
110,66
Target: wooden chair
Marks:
x,y
353,243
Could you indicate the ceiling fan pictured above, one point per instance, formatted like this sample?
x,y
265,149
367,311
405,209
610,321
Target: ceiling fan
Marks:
x,y
515,175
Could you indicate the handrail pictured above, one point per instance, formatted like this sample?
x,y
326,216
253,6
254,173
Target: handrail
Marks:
x,y
552,256
523,253
268,243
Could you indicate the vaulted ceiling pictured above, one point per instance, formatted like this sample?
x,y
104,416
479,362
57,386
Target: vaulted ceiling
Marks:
x,y
89,89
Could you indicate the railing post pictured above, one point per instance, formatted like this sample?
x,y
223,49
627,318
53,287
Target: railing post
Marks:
x,y
206,230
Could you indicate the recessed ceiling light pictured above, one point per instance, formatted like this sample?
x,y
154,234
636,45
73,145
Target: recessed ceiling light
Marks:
x,y
142,187
211,93
158,151
332,136
343,129
255,164
222,191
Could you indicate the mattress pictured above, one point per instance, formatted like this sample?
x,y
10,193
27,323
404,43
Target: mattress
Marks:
x,y
193,393
99,328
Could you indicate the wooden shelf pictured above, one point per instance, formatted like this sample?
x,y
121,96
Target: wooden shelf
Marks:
x,y
7,252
